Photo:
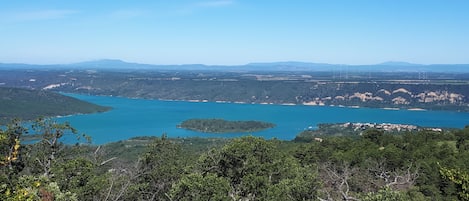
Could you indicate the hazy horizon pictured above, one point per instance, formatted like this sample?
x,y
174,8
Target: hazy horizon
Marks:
x,y
390,63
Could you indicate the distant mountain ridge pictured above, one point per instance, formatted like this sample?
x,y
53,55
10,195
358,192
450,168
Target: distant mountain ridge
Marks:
x,y
398,63
110,63
389,66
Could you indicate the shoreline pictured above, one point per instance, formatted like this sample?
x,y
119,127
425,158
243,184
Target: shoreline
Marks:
x,y
391,108
268,103
416,109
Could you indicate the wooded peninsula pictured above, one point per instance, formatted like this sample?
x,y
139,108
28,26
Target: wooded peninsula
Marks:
x,y
224,126
27,104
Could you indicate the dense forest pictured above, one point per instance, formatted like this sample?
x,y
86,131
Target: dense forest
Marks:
x,y
414,165
224,126
30,104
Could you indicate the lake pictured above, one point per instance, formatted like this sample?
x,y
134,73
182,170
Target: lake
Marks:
x,y
140,117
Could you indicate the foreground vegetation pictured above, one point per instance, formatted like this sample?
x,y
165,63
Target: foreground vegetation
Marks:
x,y
31,104
224,126
420,165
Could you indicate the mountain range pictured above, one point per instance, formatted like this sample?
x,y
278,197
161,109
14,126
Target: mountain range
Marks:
x,y
391,66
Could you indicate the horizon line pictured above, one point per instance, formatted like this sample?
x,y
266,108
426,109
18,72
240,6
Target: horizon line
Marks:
x,y
390,62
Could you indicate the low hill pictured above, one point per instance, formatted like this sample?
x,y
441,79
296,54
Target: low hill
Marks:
x,y
224,126
28,104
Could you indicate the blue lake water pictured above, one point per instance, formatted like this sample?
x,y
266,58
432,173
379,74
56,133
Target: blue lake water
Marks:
x,y
139,117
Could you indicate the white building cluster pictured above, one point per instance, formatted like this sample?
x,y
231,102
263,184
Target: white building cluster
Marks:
x,y
382,126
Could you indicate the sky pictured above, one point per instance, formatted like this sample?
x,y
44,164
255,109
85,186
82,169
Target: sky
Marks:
x,y
235,32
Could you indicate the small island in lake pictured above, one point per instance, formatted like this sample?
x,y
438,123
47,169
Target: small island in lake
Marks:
x,y
224,126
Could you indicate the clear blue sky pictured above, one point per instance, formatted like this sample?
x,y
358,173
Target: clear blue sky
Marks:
x,y
235,31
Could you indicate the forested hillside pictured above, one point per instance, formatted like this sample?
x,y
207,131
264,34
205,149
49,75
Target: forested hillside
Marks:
x,y
31,104
420,165
436,91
